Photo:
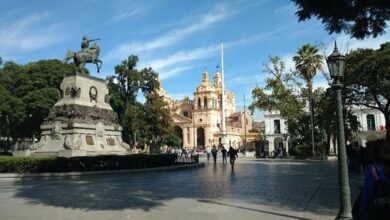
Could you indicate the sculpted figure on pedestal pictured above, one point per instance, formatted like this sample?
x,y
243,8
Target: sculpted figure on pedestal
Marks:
x,y
86,55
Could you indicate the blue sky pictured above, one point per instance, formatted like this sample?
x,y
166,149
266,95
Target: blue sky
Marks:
x,y
177,38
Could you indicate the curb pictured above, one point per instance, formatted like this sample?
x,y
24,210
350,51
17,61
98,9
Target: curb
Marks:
x,y
289,159
105,172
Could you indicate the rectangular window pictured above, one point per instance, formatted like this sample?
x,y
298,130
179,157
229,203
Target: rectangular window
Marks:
x,y
354,122
185,113
277,126
371,122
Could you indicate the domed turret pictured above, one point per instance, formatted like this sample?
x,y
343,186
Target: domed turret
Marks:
x,y
217,79
205,85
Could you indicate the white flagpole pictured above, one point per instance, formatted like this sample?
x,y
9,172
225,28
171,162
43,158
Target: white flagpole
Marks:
x,y
223,122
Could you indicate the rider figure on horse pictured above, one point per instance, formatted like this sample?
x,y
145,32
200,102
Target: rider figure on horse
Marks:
x,y
85,44
86,55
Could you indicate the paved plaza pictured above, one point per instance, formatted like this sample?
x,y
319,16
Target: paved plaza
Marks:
x,y
255,189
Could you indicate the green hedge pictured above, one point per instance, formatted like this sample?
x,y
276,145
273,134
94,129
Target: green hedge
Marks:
x,y
77,164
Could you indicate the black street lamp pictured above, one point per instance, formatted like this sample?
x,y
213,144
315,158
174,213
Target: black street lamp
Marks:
x,y
336,64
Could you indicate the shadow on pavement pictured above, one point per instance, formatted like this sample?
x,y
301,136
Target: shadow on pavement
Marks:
x,y
312,187
255,210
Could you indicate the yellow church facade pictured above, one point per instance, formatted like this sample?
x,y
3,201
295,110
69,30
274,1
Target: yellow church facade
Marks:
x,y
197,121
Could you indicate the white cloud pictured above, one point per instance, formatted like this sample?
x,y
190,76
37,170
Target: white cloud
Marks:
x,y
288,9
288,61
246,79
123,14
180,96
254,39
182,56
172,36
29,33
345,43
165,74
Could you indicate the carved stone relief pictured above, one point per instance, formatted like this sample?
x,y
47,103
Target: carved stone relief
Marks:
x,y
83,114
110,141
100,129
89,140
107,98
93,93
75,92
72,145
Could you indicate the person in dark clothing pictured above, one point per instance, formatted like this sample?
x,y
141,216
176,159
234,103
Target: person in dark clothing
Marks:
x,y
232,156
363,157
377,169
224,152
214,153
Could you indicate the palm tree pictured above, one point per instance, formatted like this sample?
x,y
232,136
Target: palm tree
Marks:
x,y
307,62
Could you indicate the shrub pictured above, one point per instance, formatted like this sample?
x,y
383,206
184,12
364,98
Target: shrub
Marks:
x,y
77,164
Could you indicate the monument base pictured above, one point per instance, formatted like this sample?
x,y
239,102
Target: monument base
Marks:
x,y
72,153
81,123
22,153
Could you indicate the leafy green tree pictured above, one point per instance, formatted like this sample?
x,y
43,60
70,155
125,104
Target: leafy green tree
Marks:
x,y
283,92
367,80
158,120
48,73
357,18
38,104
134,123
29,91
280,91
149,122
172,140
12,115
307,62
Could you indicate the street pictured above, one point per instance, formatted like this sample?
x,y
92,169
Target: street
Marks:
x,y
255,189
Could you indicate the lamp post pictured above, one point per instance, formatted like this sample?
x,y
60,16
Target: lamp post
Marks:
x,y
33,137
336,64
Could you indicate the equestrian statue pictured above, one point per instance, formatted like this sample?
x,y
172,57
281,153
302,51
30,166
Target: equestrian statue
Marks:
x,y
86,55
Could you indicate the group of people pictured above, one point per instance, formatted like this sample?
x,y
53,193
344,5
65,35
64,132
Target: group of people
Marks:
x,y
183,154
231,153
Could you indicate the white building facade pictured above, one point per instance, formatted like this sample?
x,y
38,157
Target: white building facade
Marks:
x,y
276,132
198,120
372,126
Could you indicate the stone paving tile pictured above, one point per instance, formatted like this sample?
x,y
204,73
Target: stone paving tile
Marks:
x,y
255,189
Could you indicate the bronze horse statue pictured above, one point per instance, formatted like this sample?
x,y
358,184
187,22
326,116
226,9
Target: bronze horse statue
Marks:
x,y
82,57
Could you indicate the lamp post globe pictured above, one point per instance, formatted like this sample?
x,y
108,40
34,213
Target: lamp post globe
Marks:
x,y
336,64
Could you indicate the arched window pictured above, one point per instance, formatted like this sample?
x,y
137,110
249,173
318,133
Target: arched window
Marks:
x,y
199,104
205,102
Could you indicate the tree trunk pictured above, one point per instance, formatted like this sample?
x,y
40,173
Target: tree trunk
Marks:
x,y
8,131
311,116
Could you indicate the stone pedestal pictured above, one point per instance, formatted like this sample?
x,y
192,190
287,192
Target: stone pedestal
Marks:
x,y
81,123
72,153
22,153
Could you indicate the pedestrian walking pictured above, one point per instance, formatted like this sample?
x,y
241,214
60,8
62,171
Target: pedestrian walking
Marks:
x,y
214,153
376,186
224,152
208,152
232,155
